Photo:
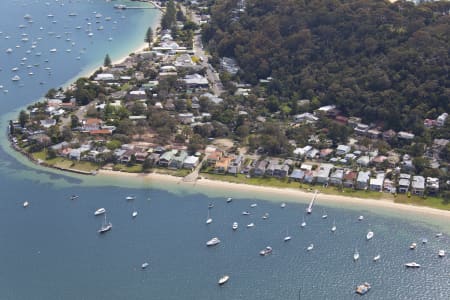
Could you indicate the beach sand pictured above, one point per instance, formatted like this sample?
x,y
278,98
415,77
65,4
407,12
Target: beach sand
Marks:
x,y
283,194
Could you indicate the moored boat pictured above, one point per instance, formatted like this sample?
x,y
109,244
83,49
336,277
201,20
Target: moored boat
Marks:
x,y
229,199
212,242
235,225
283,205
134,214
412,246
363,288
369,235
106,226
356,255
245,213
25,204
441,253
130,197
99,211
223,279
412,265
265,251
377,258
310,247
360,218
250,225
144,265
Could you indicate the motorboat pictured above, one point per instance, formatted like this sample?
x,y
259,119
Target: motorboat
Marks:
x,y
308,210
134,214
73,197
441,253
253,205
324,215
250,225
369,235
283,205
266,251
363,288
212,242
245,213
439,234
356,255
310,247
412,265
229,199
412,246
144,265
223,279
235,225
25,204
9,50
53,50
130,197
99,211
15,78
360,218
265,216
377,257
15,69
424,241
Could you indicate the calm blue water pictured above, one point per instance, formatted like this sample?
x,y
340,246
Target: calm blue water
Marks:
x,y
52,250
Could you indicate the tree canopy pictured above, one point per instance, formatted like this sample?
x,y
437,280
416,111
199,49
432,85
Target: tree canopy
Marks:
x,y
385,62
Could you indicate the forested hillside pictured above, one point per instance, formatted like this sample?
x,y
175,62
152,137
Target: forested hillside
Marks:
x,y
386,62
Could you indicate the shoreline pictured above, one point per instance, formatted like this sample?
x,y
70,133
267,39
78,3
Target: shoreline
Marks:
x,y
293,195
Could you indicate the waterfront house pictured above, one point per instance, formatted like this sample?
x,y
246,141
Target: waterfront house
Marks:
x,y
309,176
75,154
190,162
166,158
235,165
260,168
349,178
297,175
389,186
432,185
376,184
222,165
362,180
336,177
418,185
404,183
323,173
214,157
177,160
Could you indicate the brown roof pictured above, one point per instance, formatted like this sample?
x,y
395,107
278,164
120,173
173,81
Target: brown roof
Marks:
x,y
100,131
93,121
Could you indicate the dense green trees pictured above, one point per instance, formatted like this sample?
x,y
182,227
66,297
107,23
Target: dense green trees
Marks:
x,y
149,36
107,62
169,18
386,62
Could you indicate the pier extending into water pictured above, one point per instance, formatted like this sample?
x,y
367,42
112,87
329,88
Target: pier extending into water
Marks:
x,y
309,209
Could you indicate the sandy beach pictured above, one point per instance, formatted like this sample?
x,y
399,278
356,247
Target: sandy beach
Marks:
x,y
289,194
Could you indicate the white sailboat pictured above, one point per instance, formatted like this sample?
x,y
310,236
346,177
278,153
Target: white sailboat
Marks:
x,y
208,219
333,229
134,214
356,255
287,237
303,224
106,226
369,235
324,215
